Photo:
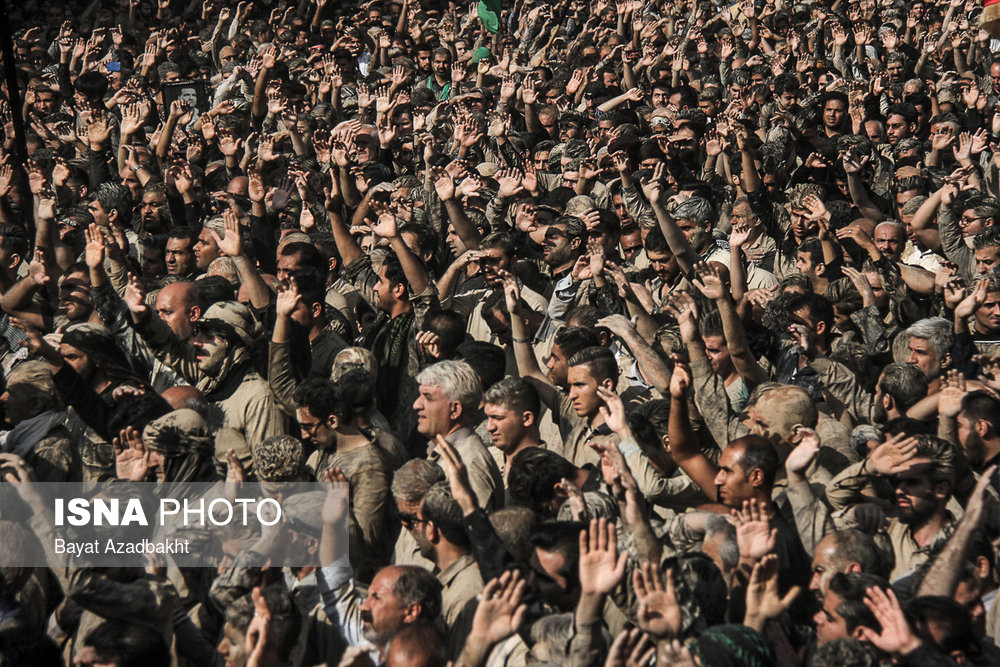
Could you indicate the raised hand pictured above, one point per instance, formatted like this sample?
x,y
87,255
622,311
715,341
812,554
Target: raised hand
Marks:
x,y
500,612
754,534
231,244
135,296
132,460
601,565
94,250
764,602
894,455
659,614
896,637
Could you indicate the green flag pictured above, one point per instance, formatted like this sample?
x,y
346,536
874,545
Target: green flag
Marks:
x,y
489,14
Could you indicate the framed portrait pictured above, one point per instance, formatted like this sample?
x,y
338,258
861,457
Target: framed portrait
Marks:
x,y
193,91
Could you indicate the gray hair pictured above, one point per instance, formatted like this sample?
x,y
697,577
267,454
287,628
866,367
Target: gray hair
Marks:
x,y
900,227
412,481
937,331
729,550
555,632
456,380
696,209
913,205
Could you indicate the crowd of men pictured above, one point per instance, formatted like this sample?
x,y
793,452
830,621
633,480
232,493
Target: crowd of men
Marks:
x,y
640,330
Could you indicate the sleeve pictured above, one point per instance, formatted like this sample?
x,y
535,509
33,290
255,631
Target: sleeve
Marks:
x,y
341,600
712,401
953,244
169,349
812,517
281,376
846,488
263,418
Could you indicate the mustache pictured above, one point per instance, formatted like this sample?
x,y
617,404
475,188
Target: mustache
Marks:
x,y
366,617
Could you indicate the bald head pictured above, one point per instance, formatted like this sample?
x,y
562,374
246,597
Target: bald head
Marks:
x,y
418,644
778,411
179,306
180,396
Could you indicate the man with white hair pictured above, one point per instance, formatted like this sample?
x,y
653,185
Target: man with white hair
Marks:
x,y
447,405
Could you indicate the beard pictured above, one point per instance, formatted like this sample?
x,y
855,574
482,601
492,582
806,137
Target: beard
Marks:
x,y
879,415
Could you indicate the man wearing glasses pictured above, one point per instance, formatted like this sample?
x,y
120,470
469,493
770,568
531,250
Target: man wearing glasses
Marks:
x,y
961,224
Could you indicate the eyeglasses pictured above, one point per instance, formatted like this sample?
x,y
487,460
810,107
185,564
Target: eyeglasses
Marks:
x,y
310,427
410,520
965,220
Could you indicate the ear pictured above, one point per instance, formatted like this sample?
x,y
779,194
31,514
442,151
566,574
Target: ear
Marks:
x,y
853,567
820,326
84,191
332,264
412,613
575,243
946,361
887,402
757,477
454,410
317,310
528,418
333,422
608,384
194,314
399,291
112,215
820,269
982,567
982,428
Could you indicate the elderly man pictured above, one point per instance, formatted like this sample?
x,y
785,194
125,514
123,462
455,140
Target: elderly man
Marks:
x,y
448,405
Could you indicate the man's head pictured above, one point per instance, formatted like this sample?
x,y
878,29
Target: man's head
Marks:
x,y
900,387
568,341
979,427
929,346
74,294
418,644
844,611
399,596
533,480
844,551
661,258
283,626
512,407
563,241
809,259
890,239
119,644
449,396
14,244
30,392
986,246
206,250
153,209
179,255
391,289
320,412
901,122
590,368
747,470
222,335
180,305
694,219
496,253
776,412
923,489
439,530
111,202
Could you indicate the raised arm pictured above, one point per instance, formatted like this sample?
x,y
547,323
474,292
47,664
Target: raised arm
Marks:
x,y
527,363
413,268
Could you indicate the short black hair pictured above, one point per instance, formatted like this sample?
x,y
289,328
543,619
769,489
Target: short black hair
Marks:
x,y
533,475
573,339
321,398
600,361
129,645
